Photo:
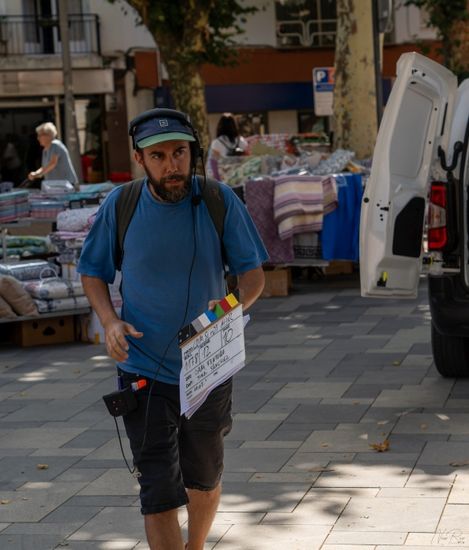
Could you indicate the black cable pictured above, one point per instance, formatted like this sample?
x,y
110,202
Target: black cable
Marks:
x,y
160,363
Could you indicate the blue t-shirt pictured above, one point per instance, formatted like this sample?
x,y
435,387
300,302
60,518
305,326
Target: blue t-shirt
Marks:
x,y
172,257
64,169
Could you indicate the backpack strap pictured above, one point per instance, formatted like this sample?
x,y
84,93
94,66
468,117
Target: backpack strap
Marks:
x,y
125,207
213,198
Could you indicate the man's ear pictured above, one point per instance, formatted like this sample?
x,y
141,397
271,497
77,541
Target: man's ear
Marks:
x,y
138,155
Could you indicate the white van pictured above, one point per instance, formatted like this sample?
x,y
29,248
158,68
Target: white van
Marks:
x,y
415,206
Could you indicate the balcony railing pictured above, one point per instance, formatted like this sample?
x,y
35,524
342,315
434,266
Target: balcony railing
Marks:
x,y
31,35
307,34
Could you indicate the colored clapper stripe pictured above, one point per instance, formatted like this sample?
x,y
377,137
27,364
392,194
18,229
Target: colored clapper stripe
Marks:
x,y
207,317
225,305
219,312
211,315
197,324
204,319
231,300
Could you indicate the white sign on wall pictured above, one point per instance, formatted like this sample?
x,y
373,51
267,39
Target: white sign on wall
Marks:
x,y
323,88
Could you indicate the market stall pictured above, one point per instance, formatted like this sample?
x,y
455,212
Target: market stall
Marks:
x,y
41,297
304,199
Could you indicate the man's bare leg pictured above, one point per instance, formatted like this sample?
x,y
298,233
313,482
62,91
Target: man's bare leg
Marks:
x,y
201,508
163,531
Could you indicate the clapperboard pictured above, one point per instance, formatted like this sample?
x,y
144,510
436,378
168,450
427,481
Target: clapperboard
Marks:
x,y
212,349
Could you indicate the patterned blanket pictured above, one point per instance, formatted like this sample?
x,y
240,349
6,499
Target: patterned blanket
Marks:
x,y
259,195
300,203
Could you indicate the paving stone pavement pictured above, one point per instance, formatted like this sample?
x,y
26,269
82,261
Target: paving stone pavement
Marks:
x,y
328,376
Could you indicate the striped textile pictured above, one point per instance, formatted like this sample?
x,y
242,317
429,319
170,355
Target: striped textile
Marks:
x,y
43,209
13,205
300,203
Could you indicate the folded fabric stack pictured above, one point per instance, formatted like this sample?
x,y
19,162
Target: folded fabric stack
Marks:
x,y
53,188
300,203
13,205
77,219
26,270
53,287
46,209
62,304
22,246
73,226
56,294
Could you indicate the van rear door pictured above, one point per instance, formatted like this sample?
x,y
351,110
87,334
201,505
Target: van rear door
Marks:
x,y
415,122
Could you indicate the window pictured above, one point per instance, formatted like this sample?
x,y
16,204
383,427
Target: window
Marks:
x,y
306,23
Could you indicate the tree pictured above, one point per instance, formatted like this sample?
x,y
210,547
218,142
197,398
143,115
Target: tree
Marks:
x,y
190,33
449,18
71,133
355,120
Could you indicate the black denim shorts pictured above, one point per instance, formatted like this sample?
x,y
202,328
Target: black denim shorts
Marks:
x,y
178,453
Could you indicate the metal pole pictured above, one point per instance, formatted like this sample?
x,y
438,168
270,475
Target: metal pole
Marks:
x,y
71,133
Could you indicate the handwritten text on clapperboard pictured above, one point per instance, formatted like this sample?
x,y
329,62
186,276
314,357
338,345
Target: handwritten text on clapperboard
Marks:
x,y
211,354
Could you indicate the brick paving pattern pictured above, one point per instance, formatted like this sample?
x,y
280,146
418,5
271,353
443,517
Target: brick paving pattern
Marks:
x,y
328,376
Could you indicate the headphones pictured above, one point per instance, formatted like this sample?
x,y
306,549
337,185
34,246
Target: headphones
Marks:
x,y
195,147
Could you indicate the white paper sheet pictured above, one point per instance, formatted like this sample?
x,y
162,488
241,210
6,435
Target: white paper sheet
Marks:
x,y
210,358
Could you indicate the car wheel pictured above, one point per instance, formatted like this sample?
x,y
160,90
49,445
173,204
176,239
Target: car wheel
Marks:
x,y
451,354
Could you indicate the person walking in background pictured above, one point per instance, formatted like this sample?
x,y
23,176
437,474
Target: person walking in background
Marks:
x,y
56,161
228,143
172,270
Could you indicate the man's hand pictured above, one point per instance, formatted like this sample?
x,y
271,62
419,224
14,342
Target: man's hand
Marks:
x,y
213,303
116,342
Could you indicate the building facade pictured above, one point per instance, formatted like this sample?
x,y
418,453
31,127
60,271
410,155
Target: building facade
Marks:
x,y
114,75
284,41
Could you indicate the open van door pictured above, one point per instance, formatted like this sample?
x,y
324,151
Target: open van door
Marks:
x,y
415,123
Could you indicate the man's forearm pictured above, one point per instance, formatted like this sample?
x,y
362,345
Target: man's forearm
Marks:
x,y
251,285
97,292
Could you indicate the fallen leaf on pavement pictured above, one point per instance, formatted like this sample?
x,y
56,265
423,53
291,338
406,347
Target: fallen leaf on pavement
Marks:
x,y
42,466
381,447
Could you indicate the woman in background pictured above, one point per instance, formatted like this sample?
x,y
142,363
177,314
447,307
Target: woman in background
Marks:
x,y
56,161
228,143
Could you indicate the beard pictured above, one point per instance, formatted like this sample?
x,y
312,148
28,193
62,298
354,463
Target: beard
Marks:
x,y
168,192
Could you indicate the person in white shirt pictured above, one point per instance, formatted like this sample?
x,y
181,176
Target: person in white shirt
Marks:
x,y
228,143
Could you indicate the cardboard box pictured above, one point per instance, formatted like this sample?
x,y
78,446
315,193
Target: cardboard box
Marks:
x,y
277,282
51,330
339,267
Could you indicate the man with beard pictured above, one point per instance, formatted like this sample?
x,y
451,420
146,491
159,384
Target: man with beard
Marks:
x,y
172,270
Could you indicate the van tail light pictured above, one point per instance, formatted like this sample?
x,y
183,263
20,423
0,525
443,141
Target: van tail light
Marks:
x,y
437,217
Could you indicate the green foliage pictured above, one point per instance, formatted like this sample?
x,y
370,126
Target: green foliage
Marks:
x,y
202,31
442,15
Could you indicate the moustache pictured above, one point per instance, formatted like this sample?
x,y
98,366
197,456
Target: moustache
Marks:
x,y
175,177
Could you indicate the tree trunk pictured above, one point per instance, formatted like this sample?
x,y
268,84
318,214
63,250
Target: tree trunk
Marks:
x,y
460,61
188,92
355,119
